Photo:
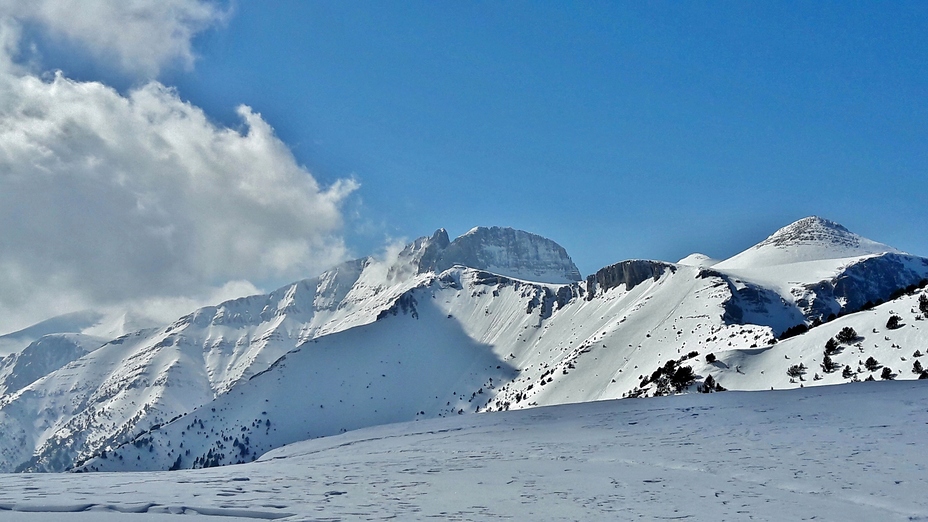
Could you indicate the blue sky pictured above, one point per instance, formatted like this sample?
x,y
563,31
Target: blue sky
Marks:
x,y
619,129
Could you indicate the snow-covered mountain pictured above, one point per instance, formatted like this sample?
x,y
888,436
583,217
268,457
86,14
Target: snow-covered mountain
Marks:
x,y
151,376
42,357
497,319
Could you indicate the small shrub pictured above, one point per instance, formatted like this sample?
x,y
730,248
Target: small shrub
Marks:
x,y
847,335
710,358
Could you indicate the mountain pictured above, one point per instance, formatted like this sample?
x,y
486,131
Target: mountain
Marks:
x,y
95,323
823,269
42,357
497,319
625,332
809,239
151,376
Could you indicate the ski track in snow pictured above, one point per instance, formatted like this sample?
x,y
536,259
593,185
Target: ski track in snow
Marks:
x,y
850,452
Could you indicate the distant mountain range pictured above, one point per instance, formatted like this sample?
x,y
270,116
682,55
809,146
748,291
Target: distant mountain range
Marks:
x,y
497,319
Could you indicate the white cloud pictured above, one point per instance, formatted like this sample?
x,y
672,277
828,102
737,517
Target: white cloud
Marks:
x,y
138,36
138,200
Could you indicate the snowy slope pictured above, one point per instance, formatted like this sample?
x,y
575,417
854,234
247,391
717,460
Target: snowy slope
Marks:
x,y
534,349
42,357
106,324
455,341
834,453
76,322
150,377
824,269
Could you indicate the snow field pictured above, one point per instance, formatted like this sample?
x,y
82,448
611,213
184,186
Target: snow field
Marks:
x,y
842,453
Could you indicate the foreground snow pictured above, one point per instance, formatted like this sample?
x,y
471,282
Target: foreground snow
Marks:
x,y
851,452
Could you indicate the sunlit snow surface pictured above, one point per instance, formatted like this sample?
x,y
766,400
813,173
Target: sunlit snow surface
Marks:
x,y
851,452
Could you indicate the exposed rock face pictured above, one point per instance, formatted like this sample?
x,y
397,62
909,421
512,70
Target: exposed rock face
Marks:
x,y
872,280
422,254
504,251
630,273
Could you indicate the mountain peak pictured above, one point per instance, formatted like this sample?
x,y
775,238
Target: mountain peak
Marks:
x,y
813,229
809,239
502,250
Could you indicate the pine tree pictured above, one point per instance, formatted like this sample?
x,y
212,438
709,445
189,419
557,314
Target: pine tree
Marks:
x,y
923,303
847,335
708,386
829,365
847,373
796,370
871,364
831,347
887,374
682,378
917,368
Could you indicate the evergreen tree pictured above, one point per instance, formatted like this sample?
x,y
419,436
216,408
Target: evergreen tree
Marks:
x,y
796,370
871,364
708,386
923,303
829,365
847,373
917,368
831,347
682,378
847,335
887,374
